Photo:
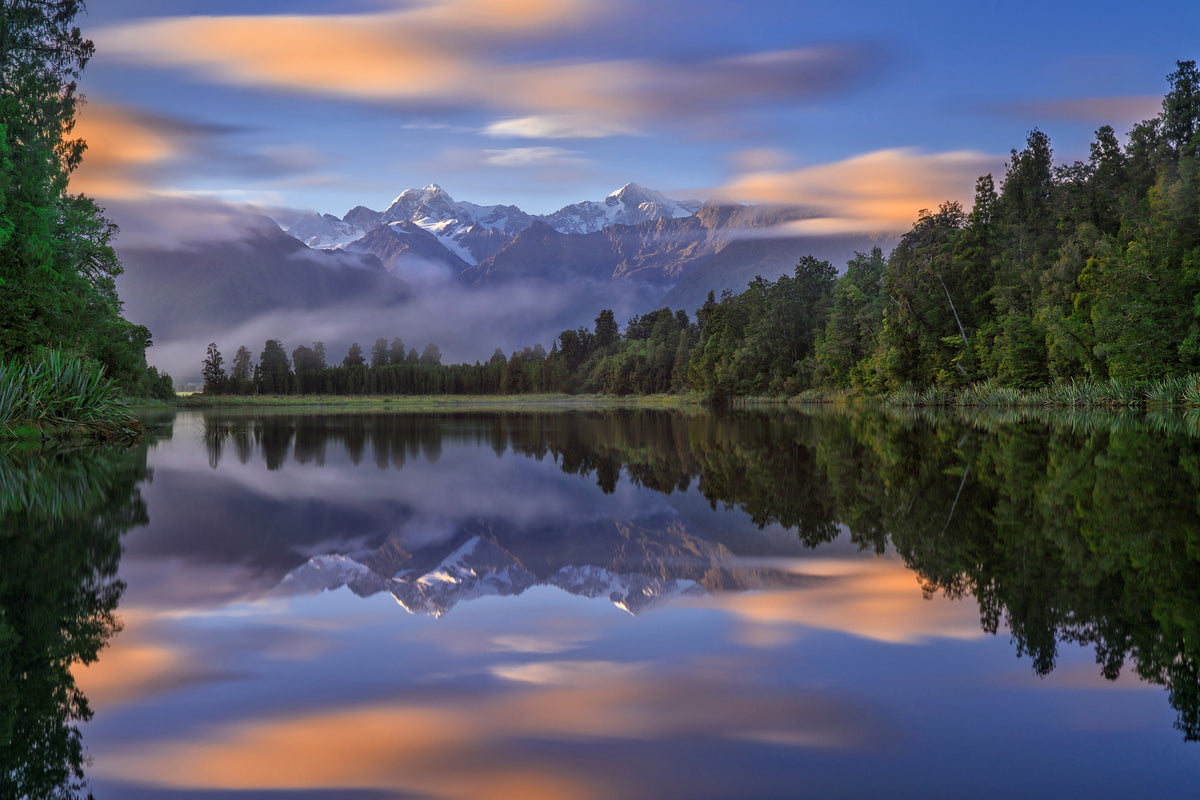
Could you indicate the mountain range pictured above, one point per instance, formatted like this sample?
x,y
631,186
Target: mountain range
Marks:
x,y
635,250
474,232
685,247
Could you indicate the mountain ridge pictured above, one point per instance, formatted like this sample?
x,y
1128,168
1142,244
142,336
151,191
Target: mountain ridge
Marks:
x,y
451,221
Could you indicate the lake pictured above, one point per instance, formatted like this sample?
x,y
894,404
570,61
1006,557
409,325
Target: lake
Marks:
x,y
616,604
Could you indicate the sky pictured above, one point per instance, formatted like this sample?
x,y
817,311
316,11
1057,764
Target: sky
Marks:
x,y
866,111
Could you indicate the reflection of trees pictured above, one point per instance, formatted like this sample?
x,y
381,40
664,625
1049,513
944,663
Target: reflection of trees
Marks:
x,y
1086,531
61,520
1085,534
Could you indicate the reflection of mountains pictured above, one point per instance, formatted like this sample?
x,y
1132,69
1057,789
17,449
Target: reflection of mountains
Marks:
x,y
1074,527
634,566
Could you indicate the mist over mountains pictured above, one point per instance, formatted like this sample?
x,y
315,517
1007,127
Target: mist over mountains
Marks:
x,y
468,277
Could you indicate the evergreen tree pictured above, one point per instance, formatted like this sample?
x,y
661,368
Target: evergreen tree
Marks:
x,y
241,369
1181,110
607,331
380,354
431,355
274,371
213,372
354,356
396,352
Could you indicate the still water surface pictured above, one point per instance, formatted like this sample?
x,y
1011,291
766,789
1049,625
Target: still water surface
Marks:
x,y
608,605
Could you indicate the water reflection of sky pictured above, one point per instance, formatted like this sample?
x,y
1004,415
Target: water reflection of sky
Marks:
x,y
846,683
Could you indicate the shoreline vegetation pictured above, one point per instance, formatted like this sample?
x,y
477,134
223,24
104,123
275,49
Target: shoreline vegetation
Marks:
x,y
57,396
1181,392
436,402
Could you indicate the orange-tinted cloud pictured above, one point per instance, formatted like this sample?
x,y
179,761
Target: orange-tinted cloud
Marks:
x,y
133,154
430,51
454,52
122,144
877,191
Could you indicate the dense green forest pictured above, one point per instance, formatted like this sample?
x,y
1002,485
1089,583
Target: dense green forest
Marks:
x,y
57,264
1064,274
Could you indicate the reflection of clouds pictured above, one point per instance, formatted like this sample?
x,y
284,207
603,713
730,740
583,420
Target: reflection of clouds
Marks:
x,y
167,583
880,599
566,673
476,745
537,645
143,662
127,673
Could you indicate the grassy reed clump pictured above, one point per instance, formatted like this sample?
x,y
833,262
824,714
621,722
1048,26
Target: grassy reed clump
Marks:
x,y
59,389
1122,393
1166,391
1190,395
906,395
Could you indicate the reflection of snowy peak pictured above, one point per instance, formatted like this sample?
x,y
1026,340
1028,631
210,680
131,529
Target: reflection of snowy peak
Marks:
x,y
477,569
325,573
632,592
481,568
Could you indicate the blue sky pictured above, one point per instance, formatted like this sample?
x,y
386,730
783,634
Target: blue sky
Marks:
x,y
867,110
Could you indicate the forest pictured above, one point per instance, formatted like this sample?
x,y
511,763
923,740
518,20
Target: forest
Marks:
x,y
1060,275
66,353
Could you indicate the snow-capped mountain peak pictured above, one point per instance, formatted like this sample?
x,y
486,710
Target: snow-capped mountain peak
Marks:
x,y
629,205
450,220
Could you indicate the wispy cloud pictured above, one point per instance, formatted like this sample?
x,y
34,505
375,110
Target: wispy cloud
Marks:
x,y
878,191
532,156
1101,110
459,53
558,126
134,153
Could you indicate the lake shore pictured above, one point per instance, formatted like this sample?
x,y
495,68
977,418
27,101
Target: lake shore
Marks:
x,y
416,403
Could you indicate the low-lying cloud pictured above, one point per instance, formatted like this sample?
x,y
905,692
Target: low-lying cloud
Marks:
x,y
467,323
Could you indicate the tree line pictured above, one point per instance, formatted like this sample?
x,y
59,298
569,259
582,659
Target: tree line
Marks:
x,y
651,356
1067,272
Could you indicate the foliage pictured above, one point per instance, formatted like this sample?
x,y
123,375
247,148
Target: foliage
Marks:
x,y
57,264
1080,271
61,520
56,388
